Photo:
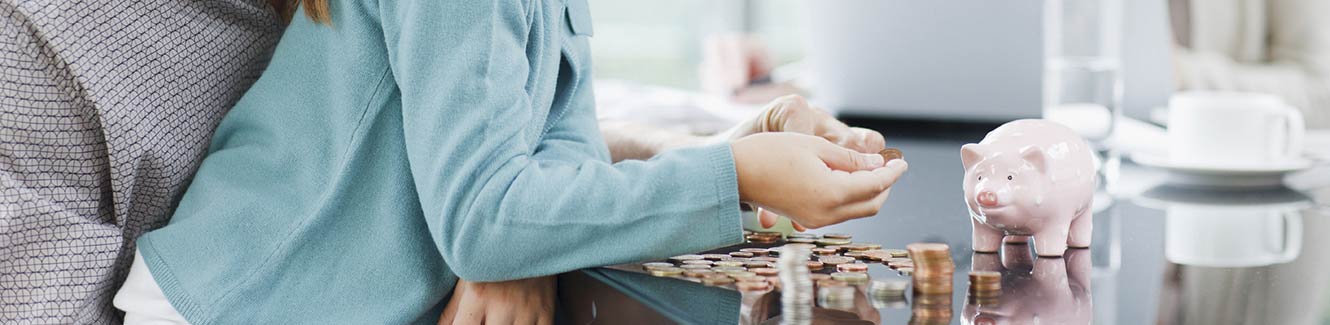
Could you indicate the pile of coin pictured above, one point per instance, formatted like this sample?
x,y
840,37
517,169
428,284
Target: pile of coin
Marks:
x,y
796,285
932,267
985,287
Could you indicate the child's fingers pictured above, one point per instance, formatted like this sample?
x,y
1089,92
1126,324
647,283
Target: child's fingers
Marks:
x,y
767,218
864,185
841,158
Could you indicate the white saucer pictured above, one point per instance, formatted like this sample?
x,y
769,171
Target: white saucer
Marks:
x,y
1214,176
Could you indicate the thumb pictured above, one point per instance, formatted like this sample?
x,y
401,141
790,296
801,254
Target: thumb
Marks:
x,y
840,158
767,218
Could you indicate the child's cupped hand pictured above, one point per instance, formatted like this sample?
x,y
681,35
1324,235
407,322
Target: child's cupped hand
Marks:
x,y
811,180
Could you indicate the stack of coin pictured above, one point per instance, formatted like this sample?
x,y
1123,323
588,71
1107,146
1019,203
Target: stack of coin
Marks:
x,y
932,267
930,309
836,295
796,285
888,294
763,237
985,287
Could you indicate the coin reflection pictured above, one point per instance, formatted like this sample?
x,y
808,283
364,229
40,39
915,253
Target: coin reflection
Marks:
x,y
1034,290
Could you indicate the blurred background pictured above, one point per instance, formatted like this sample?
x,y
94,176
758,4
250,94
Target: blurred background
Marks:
x,y
1209,119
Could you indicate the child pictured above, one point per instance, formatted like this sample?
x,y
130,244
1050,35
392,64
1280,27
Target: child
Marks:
x,y
400,145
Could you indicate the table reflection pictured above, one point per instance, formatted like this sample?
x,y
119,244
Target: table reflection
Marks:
x,y
1034,290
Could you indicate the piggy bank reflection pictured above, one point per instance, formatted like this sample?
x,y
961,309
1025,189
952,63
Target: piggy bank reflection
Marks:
x,y
1030,178
1042,291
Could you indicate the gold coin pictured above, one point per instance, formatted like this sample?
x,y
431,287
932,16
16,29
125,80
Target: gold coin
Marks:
x,y
656,265
686,257
852,267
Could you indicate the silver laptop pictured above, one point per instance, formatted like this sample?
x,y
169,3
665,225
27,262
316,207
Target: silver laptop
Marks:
x,y
972,60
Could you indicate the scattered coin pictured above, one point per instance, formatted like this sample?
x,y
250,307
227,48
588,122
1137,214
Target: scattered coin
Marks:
x,y
764,271
835,260
819,277
837,236
697,273
815,265
758,264
686,257
898,252
717,280
832,241
803,235
695,267
727,263
698,262
656,265
802,240
741,254
824,251
755,251
752,286
728,269
850,277
714,257
767,259
852,267
665,271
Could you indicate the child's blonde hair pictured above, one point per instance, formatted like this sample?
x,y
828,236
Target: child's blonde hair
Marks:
x,y
316,10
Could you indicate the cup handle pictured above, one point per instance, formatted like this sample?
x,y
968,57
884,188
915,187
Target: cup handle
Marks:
x,y
1294,128
1292,236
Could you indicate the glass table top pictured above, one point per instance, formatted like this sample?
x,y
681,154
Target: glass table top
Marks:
x,y
1162,254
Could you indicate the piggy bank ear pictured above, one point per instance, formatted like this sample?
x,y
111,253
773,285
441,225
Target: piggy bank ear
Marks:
x,y
1035,157
970,155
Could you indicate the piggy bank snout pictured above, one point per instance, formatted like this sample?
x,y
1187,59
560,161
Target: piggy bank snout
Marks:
x,y
987,198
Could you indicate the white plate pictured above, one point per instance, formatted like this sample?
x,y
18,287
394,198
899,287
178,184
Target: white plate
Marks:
x,y
1222,176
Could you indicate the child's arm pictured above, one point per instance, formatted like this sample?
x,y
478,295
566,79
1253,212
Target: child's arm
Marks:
x,y
504,204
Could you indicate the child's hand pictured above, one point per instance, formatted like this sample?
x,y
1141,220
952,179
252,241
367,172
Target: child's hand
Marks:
x,y
811,180
793,114
524,301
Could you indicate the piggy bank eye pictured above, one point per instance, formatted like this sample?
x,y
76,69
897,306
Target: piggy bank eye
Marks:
x,y
979,178
1008,177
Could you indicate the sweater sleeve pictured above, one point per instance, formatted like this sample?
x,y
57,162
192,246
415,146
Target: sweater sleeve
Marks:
x,y
502,203
1298,68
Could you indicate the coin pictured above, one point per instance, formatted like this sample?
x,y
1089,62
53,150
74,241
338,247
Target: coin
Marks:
x,y
828,282
852,267
856,255
890,154
714,257
815,265
686,257
764,271
832,241
898,252
665,271
835,260
739,275
758,264
727,263
752,286
888,288
741,254
656,265
824,251
802,235
698,262
767,259
819,276
755,251
717,280
837,236
802,240
695,267
697,273
728,269
850,277
802,246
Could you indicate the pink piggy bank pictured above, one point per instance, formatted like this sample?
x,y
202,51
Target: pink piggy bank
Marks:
x,y
1030,178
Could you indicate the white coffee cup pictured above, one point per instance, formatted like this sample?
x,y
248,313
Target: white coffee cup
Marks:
x,y
1232,129
1228,236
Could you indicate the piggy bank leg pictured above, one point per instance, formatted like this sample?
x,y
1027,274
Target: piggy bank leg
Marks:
x,y
1081,229
1016,240
1051,241
986,239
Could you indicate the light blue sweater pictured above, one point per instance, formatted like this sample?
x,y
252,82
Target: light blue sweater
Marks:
x,y
414,142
